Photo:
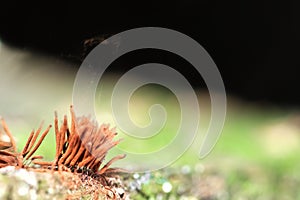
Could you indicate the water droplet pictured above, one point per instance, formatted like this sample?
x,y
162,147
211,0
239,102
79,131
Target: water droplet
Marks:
x,y
136,175
167,187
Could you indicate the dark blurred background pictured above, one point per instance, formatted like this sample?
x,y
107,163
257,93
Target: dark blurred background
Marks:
x,y
254,44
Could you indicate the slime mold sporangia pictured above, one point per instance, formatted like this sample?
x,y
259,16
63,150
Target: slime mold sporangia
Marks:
x,y
80,149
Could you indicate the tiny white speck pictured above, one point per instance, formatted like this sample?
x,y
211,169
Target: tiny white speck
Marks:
x,y
50,190
136,175
23,190
120,191
167,187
